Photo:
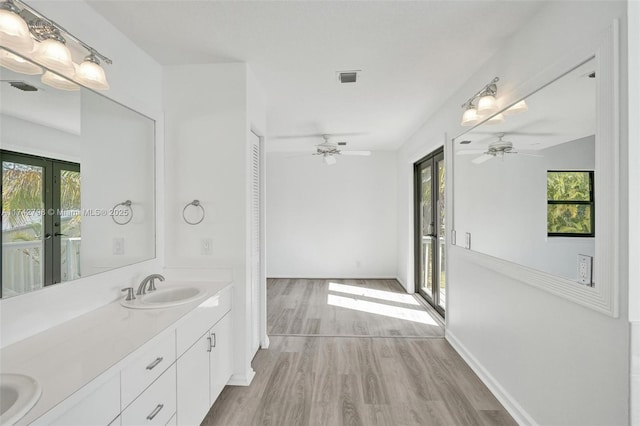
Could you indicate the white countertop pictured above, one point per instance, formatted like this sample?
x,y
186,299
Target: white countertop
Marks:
x,y
65,358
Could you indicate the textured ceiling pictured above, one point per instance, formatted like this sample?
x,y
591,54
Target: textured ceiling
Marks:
x,y
413,55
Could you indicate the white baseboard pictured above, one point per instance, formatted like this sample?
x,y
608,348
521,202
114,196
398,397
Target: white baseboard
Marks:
x,y
244,379
264,343
510,404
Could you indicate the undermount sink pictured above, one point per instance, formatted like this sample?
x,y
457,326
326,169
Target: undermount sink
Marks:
x,y
164,298
18,394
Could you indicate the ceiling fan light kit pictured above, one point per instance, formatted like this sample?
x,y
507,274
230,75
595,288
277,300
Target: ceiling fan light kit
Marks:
x,y
330,150
484,103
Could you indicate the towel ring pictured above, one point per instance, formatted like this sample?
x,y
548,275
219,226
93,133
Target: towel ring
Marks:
x,y
126,204
195,203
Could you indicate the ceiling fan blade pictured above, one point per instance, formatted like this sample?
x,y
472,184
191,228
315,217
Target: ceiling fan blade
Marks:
x,y
482,159
362,153
471,151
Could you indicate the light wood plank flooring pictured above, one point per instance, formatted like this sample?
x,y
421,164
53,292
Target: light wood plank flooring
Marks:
x,y
346,308
381,377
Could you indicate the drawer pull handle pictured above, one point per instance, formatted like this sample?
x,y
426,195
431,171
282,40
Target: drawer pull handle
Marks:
x,y
154,363
155,412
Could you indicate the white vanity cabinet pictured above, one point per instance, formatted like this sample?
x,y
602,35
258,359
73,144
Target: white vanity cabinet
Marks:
x,y
203,371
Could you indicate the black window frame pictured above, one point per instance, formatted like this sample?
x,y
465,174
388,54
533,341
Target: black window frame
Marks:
x,y
591,203
51,181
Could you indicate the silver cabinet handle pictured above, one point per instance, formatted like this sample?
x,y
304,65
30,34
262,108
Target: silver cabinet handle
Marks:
x,y
210,344
155,412
154,363
215,340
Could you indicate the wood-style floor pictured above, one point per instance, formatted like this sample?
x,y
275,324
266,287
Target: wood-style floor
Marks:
x,y
335,362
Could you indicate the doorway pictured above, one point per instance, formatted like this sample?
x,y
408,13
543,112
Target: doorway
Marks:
x,y
429,229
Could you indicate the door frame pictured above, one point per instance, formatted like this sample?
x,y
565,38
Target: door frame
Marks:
x,y
433,158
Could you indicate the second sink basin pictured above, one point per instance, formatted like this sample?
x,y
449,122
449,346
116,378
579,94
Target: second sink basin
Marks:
x,y
18,394
165,298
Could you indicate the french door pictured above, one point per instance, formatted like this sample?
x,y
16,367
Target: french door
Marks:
x,y
429,234
40,222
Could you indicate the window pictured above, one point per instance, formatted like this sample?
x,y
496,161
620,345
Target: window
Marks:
x,y
570,204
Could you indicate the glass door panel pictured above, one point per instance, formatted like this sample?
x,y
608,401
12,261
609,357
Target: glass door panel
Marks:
x,y
23,227
426,225
441,232
70,223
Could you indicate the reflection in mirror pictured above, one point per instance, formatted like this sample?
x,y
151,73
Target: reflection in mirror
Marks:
x,y
524,187
69,159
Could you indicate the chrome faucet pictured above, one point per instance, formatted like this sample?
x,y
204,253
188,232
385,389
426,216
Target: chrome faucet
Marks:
x,y
142,288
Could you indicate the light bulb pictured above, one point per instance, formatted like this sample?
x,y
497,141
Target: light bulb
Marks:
x,y
469,117
516,108
496,119
487,105
54,55
54,80
14,31
18,64
91,74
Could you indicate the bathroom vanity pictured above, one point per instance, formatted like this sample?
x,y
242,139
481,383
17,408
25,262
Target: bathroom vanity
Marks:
x,y
122,366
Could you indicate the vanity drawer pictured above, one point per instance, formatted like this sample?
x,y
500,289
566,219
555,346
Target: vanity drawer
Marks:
x,y
202,319
156,405
147,367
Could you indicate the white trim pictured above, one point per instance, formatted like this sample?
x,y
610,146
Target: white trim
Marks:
x,y
507,400
242,379
604,296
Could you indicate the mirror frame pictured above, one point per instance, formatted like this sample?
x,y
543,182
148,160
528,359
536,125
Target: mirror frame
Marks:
x,y
604,295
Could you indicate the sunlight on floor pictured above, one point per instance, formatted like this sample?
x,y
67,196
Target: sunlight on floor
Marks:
x,y
381,309
374,294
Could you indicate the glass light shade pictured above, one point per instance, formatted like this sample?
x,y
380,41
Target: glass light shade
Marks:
x,y
92,75
54,80
469,117
55,56
329,160
487,105
14,32
517,108
18,64
496,119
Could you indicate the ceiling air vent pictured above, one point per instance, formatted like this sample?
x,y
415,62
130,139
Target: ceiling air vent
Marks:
x,y
342,143
25,87
350,77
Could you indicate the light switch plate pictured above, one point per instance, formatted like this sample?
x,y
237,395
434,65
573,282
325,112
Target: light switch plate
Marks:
x,y
585,269
453,237
206,247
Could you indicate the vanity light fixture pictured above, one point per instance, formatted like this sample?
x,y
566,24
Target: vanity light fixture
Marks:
x,y
14,31
516,108
54,80
91,74
22,28
18,64
484,103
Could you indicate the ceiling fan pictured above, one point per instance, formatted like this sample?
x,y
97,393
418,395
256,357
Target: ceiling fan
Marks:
x,y
329,150
495,149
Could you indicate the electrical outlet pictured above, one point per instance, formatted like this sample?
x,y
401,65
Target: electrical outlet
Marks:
x,y
118,246
467,240
585,264
206,246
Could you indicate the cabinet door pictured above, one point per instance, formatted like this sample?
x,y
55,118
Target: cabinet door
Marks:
x,y
221,356
193,383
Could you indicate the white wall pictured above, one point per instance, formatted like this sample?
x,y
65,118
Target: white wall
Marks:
x,y
503,205
135,81
549,360
209,113
335,221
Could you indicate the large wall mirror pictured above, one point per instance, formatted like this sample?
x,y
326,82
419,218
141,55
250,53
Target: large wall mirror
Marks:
x,y
78,184
535,187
